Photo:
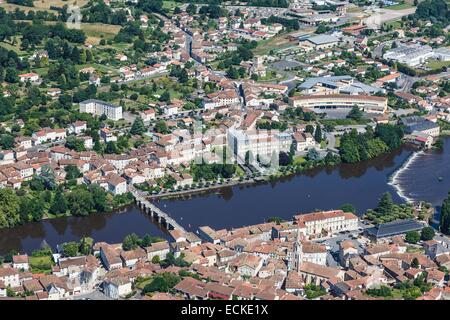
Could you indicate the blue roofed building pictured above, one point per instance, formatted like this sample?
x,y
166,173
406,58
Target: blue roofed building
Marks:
x,y
393,228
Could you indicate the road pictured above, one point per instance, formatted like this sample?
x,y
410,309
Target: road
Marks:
x,y
378,50
331,140
333,244
95,295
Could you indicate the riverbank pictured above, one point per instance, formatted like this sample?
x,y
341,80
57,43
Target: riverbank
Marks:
x,y
323,188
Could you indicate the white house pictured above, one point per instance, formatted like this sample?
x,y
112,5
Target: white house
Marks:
x,y
116,184
31,77
117,287
21,262
77,127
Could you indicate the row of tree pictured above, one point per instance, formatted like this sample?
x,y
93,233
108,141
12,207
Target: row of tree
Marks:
x,y
357,147
42,196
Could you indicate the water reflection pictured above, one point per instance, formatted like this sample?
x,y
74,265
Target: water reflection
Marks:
x,y
320,188
111,227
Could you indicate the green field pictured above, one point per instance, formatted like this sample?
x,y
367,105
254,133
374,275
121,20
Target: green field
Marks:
x,y
41,264
275,43
401,6
11,47
170,5
299,160
436,64
99,67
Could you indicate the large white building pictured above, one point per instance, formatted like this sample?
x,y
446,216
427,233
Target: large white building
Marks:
x,y
412,55
257,142
317,223
371,104
98,107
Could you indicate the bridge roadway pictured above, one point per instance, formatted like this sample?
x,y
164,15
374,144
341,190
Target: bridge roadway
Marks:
x,y
160,216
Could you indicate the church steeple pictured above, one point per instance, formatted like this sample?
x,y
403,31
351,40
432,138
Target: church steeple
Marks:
x,y
297,253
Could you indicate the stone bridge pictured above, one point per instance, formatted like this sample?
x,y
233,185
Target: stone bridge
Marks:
x,y
156,213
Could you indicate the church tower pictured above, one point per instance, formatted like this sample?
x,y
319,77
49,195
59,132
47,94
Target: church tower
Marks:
x,y
297,256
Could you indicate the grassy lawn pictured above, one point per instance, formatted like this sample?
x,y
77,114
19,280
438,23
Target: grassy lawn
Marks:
x,y
41,71
46,4
436,64
41,264
411,249
170,5
97,31
275,43
142,284
299,160
401,6
12,7
338,142
100,67
239,171
395,24
11,47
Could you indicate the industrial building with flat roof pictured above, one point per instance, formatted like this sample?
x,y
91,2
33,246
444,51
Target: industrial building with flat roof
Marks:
x,y
393,228
319,42
412,55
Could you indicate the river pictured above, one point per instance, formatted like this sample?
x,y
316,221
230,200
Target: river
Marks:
x,y
413,177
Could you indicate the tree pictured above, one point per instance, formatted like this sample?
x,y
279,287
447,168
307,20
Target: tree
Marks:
x,y
80,202
355,113
165,97
385,205
59,204
347,207
318,134
312,155
99,198
76,144
277,220
162,283
445,216
72,172
31,209
70,249
156,260
415,263
284,159
232,73
191,9
111,148
11,75
382,291
390,134
161,127
412,237
427,233
309,128
138,127
7,141
86,244
9,208
130,242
